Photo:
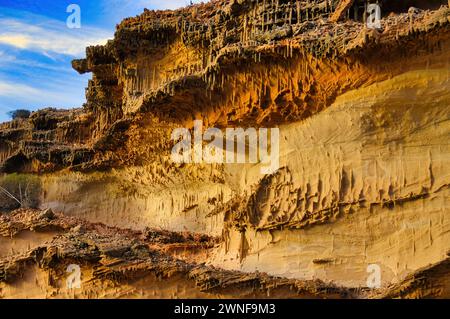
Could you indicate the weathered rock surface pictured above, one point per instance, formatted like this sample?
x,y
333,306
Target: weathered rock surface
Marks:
x,y
122,263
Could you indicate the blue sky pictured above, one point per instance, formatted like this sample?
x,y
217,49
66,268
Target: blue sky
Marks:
x,y
37,47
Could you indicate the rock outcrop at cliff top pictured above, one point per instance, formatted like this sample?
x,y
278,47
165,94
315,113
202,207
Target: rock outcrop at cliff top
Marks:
x,y
227,62
364,121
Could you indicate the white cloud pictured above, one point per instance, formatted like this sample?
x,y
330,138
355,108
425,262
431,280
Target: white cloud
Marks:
x,y
6,58
17,90
50,36
18,41
58,94
15,63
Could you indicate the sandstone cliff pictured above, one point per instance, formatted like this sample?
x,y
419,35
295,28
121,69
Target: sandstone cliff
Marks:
x,y
364,123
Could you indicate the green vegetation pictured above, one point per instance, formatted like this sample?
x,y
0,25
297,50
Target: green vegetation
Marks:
x,y
19,191
19,114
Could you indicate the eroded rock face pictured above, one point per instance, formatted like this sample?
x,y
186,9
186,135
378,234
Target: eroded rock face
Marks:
x,y
49,140
364,122
229,63
117,263
122,263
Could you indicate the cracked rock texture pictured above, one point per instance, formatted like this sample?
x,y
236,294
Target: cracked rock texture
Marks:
x,y
364,154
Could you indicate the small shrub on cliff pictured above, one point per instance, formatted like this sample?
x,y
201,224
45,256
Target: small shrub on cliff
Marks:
x,y
19,190
19,114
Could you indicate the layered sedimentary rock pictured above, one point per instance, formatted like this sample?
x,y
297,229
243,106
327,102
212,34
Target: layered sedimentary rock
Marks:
x,y
129,264
358,186
364,128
